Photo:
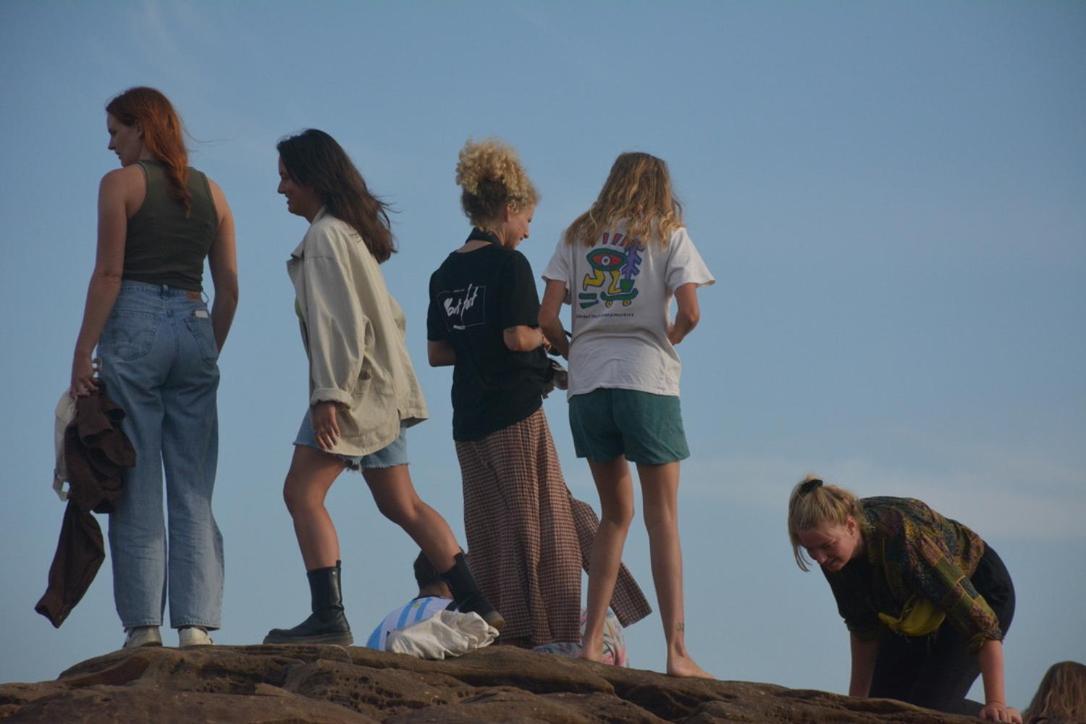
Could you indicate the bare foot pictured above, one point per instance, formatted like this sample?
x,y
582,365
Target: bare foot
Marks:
x,y
684,666
598,658
592,653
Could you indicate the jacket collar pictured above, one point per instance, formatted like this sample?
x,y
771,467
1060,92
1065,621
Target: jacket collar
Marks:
x,y
299,251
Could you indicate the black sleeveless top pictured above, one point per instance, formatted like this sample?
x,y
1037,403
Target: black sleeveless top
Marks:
x,y
164,246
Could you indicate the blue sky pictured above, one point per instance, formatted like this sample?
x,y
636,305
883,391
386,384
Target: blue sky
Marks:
x,y
892,196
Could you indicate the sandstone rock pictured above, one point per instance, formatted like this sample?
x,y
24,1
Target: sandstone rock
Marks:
x,y
336,684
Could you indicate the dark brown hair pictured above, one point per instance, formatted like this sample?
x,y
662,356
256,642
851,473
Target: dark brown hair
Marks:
x,y
425,573
314,159
161,127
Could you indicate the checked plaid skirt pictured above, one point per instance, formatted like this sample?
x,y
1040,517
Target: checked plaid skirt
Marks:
x,y
529,538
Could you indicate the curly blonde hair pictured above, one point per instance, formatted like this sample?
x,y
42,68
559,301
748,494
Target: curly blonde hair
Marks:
x,y
812,504
491,177
638,190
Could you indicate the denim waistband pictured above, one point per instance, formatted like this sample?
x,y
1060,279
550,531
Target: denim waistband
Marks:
x,y
143,295
131,286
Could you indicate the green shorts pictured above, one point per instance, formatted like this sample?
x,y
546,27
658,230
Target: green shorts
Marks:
x,y
646,428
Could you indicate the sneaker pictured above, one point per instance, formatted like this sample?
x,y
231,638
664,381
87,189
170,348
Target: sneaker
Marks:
x,y
190,636
139,636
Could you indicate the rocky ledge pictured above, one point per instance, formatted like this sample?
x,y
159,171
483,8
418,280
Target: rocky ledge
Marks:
x,y
331,684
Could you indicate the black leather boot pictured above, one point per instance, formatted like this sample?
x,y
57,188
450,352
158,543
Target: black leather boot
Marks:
x,y
327,624
467,597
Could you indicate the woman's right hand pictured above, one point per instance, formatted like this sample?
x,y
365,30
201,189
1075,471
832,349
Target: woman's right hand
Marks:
x,y
84,370
997,711
325,425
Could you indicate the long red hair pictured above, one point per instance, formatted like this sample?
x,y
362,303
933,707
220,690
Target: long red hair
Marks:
x,y
161,127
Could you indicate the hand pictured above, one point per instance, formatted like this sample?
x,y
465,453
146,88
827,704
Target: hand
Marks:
x,y
672,334
84,371
997,711
325,424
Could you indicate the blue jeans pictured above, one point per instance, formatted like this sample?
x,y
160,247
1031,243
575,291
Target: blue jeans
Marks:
x,y
160,363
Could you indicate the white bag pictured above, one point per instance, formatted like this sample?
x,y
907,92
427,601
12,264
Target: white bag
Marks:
x,y
445,635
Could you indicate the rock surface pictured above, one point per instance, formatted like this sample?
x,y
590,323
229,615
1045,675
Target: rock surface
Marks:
x,y
332,684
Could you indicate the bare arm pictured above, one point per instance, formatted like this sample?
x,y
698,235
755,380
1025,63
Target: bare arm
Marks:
x,y
688,314
223,261
863,665
440,352
105,281
995,697
522,338
549,322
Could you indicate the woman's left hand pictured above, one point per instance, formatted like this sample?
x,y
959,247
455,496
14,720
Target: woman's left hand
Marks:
x,y
1000,712
325,424
84,370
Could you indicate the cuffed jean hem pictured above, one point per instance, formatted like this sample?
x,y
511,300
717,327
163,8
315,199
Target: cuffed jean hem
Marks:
x,y
197,624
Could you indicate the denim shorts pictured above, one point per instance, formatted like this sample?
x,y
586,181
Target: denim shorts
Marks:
x,y
646,428
395,453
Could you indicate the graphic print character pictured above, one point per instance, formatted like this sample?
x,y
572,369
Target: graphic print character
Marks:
x,y
613,274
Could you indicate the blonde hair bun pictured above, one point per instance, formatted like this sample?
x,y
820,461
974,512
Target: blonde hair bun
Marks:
x,y
491,176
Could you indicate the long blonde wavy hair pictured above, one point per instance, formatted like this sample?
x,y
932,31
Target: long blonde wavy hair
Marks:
x,y
638,190
1061,696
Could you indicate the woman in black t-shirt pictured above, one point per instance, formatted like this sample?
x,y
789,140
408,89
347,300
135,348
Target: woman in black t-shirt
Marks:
x,y
527,536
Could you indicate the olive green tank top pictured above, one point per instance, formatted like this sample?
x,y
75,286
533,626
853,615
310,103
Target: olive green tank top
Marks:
x,y
164,246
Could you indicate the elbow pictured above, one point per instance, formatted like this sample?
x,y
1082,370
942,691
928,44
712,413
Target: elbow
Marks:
x,y
516,344
226,290
440,355
108,275
690,318
522,339
228,297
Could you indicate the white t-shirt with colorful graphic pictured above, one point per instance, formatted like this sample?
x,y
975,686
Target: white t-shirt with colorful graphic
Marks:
x,y
620,292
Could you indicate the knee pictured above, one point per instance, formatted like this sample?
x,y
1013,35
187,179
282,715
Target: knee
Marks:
x,y
298,499
617,516
659,519
400,511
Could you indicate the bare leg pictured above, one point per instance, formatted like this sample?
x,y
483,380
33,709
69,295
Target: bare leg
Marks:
x,y
397,500
659,489
311,474
616,503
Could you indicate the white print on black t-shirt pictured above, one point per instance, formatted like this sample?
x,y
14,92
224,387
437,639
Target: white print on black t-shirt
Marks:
x,y
613,274
464,307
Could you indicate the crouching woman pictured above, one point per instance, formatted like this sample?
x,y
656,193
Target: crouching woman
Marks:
x,y
926,601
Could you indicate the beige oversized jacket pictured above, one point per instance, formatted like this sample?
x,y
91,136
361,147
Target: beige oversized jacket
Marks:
x,y
353,332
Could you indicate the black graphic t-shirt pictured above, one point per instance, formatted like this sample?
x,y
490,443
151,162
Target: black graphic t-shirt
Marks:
x,y
474,297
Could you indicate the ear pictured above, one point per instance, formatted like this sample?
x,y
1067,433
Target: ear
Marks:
x,y
507,213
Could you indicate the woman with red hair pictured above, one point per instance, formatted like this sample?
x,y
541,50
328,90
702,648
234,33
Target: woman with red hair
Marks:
x,y
158,348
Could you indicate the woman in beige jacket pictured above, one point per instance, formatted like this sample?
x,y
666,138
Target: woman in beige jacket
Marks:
x,y
363,392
